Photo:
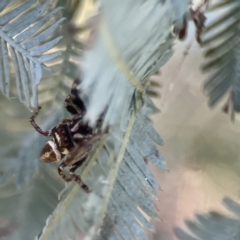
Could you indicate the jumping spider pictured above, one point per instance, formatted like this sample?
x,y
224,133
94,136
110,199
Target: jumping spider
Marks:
x,y
72,139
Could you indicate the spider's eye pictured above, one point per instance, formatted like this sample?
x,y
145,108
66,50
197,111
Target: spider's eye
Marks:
x,y
50,153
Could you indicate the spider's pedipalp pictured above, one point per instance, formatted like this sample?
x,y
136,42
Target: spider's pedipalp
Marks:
x,y
61,173
34,124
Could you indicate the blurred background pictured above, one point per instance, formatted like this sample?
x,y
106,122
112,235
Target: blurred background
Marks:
x,y
201,150
201,144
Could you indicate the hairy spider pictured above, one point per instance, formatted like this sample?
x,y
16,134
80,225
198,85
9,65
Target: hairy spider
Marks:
x,y
72,139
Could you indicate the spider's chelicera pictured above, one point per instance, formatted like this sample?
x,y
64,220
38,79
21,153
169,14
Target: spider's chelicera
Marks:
x,y
72,139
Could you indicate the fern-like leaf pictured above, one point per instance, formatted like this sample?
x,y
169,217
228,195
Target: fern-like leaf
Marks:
x,y
129,193
221,40
116,171
55,87
214,225
27,37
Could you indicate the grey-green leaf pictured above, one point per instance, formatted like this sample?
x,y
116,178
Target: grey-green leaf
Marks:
x,y
222,52
28,21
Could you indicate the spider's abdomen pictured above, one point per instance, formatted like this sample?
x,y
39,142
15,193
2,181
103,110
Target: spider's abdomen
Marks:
x,y
50,152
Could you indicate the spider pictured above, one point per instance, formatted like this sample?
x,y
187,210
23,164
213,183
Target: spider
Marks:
x,y
72,138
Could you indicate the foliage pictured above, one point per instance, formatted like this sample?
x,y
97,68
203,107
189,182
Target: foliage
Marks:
x,y
26,50
117,171
213,225
113,160
222,44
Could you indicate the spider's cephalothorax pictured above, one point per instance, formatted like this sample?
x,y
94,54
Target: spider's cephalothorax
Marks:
x,y
72,139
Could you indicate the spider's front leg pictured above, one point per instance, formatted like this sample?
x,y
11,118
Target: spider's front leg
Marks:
x,y
34,124
72,170
77,178
61,173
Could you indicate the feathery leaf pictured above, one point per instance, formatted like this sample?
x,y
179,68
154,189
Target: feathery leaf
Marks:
x,y
223,55
213,225
125,196
26,37
116,171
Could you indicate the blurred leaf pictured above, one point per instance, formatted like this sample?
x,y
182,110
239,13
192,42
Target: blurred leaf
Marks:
x,y
213,225
221,40
28,208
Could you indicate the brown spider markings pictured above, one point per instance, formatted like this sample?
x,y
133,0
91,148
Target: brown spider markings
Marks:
x,y
72,139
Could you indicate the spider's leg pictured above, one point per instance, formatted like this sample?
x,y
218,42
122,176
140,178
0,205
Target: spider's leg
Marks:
x,y
34,124
99,122
73,103
77,178
67,120
79,136
60,172
77,101
76,125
